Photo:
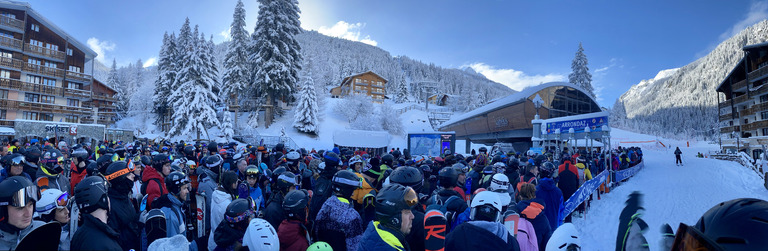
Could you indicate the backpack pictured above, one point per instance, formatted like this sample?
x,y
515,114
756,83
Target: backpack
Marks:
x,y
582,176
526,236
154,226
521,182
143,204
442,206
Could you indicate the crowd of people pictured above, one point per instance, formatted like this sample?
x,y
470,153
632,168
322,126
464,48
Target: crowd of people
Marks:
x,y
139,195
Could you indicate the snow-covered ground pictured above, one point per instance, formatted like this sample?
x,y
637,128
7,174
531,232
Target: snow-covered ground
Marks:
x,y
673,194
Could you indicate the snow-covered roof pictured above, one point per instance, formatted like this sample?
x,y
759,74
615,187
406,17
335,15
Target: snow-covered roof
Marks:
x,y
508,101
741,62
755,46
7,131
358,74
360,138
28,8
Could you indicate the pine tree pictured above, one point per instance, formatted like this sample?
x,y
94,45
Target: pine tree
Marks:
x,y
166,76
194,98
580,75
117,82
276,54
305,117
236,59
401,90
210,70
226,125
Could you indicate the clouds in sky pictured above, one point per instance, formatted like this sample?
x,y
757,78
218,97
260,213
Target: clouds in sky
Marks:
x,y
100,47
347,31
226,33
517,80
757,12
151,61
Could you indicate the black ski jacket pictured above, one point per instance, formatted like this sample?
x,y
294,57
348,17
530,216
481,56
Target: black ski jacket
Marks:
x,y
95,235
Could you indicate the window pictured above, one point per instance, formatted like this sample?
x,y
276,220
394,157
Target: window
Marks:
x,y
746,121
30,115
70,119
73,102
763,98
36,27
50,64
3,94
72,85
49,82
5,74
35,42
69,52
764,115
31,97
6,34
52,47
73,68
34,61
8,15
46,117
34,79
6,54
2,114
47,99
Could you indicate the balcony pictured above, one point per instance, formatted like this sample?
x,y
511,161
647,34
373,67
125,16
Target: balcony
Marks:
x,y
86,120
377,86
760,90
10,42
104,97
45,52
740,99
755,125
11,63
740,84
12,22
7,123
762,71
45,70
726,117
76,93
729,129
16,84
43,107
81,77
724,104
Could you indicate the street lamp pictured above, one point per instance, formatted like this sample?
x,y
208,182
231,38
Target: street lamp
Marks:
x,y
537,102
557,138
571,131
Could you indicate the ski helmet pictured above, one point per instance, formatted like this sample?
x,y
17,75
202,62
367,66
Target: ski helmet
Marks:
x,y
407,176
499,183
296,204
175,181
355,159
565,238
387,159
461,167
447,177
331,160
483,149
260,235
91,194
158,161
277,172
345,183
53,161
80,154
120,151
488,170
252,171
738,224
117,175
189,150
51,199
293,156
285,181
14,159
391,201
320,246
486,206
547,170
238,213
32,155
17,191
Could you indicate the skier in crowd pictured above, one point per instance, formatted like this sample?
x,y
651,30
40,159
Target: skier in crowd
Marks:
x,y
338,223
230,232
222,196
393,220
283,184
123,216
532,209
293,229
484,231
93,202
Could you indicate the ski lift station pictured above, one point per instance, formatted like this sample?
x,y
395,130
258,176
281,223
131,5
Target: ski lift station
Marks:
x,y
540,117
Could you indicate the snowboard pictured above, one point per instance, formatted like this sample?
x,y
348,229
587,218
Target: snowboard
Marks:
x,y
45,237
200,214
434,230
511,221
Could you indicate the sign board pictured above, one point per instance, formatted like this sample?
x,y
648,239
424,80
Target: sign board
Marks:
x,y
55,128
73,130
431,144
595,124
537,150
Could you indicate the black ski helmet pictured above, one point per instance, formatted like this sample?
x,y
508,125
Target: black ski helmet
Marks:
x,y
120,151
285,181
189,151
390,203
103,162
295,204
407,176
91,194
387,159
53,161
214,162
738,224
483,149
345,183
80,154
252,171
213,148
175,181
15,191
238,213
158,161
547,170
117,173
447,177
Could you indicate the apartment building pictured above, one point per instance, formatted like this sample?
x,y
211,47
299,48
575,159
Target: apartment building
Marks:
x,y
366,83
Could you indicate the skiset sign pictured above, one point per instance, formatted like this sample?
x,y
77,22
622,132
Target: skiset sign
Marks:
x,y
595,124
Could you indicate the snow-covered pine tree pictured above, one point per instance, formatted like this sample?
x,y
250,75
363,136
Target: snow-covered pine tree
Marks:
x,y
115,81
276,54
401,90
226,125
193,100
236,61
580,75
305,116
166,74
212,67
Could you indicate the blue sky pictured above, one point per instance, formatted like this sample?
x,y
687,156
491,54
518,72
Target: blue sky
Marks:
x,y
517,43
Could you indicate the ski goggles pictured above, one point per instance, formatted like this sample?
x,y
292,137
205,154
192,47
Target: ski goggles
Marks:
x,y
17,161
61,202
244,216
689,238
355,183
22,197
411,198
129,167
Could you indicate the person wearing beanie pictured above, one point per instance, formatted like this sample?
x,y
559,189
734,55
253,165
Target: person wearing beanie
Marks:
x,y
94,234
18,197
154,178
123,217
222,196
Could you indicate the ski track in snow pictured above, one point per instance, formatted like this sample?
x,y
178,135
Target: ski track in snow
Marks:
x,y
672,194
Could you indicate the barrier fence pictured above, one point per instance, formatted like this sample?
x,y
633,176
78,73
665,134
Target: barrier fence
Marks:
x,y
590,186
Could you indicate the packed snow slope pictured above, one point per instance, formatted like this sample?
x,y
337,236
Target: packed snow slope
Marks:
x,y
672,194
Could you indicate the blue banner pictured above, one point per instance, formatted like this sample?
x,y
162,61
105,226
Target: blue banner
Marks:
x,y
626,173
595,124
583,192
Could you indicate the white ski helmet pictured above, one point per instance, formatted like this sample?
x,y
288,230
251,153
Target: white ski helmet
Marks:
x,y
51,199
565,237
500,186
260,235
486,198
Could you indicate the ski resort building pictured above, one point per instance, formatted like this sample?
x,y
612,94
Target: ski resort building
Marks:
x,y
366,83
508,119
743,103
46,81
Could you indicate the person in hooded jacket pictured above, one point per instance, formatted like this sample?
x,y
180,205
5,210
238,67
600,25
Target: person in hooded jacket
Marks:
x,y
229,234
551,195
293,230
274,213
568,178
224,194
532,209
123,217
18,197
484,231
323,186
154,178
446,195
338,223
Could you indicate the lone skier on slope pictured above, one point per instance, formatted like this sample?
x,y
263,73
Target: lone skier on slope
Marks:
x,y
678,161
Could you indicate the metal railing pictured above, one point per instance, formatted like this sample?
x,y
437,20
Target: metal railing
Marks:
x,y
43,51
11,42
12,22
268,141
43,107
755,125
729,129
100,96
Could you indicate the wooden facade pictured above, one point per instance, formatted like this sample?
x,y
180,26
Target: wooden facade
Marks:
x,y
367,83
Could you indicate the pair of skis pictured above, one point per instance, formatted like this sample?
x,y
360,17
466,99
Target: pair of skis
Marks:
x,y
435,228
